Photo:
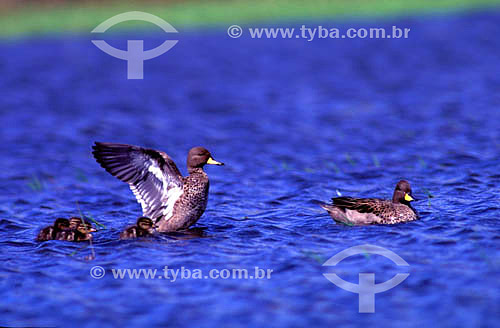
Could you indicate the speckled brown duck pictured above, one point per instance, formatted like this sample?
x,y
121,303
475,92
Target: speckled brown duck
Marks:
x,y
364,211
50,232
172,201
143,228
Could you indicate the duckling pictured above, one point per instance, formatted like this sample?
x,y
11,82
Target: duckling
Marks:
x,y
81,233
362,211
74,222
50,232
143,228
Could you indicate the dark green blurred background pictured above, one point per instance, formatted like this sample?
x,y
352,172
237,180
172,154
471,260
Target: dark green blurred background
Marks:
x,y
21,18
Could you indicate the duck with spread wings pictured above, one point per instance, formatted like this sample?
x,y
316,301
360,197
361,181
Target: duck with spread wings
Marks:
x,y
172,201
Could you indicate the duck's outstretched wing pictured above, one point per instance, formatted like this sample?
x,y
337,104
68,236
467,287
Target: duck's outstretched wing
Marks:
x,y
361,205
152,175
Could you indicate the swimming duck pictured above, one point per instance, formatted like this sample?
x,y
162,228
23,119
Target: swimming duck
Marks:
x,y
74,222
363,211
172,201
80,233
143,228
50,232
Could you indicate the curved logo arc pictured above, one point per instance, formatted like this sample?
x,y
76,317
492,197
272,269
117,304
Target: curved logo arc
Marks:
x,y
135,55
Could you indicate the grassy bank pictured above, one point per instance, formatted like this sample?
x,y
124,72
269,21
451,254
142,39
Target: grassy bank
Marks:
x,y
84,17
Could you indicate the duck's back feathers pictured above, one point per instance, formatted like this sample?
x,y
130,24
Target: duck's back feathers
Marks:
x,y
45,234
73,235
134,232
361,205
50,232
152,175
129,233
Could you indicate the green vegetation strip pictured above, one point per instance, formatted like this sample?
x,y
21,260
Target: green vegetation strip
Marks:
x,y
33,20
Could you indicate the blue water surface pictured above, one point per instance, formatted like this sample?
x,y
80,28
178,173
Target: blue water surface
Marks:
x,y
296,122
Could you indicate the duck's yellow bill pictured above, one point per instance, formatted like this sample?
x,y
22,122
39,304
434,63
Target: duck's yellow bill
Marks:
x,y
408,198
213,161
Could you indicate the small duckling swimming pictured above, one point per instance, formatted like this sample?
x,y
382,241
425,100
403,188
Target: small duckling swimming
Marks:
x,y
50,232
74,222
143,228
81,233
364,211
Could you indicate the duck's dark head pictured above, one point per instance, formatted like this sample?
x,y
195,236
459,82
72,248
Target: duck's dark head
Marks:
x,y
82,232
402,193
198,157
80,224
74,222
61,224
85,228
145,224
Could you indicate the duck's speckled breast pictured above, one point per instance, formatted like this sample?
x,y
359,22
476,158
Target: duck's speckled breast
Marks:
x,y
191,205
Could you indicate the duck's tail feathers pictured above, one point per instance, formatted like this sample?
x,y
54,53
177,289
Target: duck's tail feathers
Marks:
x,y
336,214
327,207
